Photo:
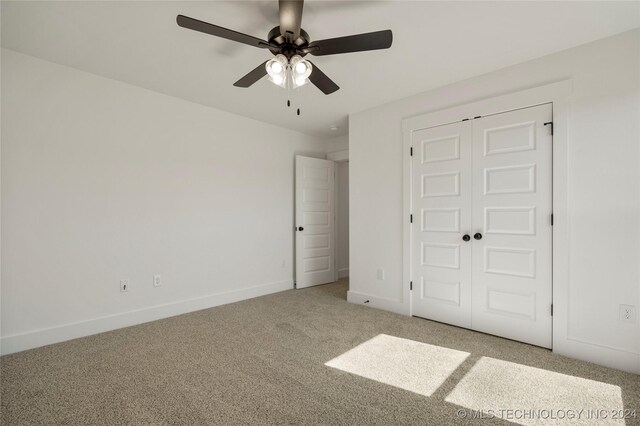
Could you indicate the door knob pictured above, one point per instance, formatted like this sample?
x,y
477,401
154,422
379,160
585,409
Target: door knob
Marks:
x,y
477,236
300,228
466,237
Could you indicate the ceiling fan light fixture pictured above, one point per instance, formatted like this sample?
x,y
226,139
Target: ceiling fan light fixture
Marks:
x,y
278,81
276,67
301,68
298,82
300,71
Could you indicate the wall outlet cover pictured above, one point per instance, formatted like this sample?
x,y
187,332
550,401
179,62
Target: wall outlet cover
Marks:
x,y
124,286
628,313
157,280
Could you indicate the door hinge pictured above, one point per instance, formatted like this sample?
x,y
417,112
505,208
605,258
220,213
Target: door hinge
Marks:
x,y
410,285
411,151
551,219
551,124
410,218
552,309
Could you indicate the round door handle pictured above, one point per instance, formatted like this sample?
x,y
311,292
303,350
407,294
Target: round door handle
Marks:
x,y
466,237
477,236
300,228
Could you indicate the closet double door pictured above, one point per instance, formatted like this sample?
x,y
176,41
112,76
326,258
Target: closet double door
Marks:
x,y
482,225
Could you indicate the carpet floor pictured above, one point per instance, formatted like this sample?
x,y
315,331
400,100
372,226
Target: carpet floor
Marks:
x,y
299,357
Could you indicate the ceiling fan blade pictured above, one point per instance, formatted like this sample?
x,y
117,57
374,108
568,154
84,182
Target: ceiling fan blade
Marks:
x,y
321,81
256,74
207,28
354,43
290,18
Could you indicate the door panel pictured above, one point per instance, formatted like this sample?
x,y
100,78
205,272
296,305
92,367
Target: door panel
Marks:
x,y
442,214
315,248
512,210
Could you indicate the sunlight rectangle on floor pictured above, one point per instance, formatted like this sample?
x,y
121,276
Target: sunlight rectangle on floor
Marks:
x,y
403,363
533,396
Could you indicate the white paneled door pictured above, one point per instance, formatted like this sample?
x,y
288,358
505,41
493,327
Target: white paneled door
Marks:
x,y
512,215
315,221
441,215
482,241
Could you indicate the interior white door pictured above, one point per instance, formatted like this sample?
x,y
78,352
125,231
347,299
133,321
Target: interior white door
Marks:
x,y
315,221
512,206
441,194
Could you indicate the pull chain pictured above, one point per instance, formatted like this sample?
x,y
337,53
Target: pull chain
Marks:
x,y
289,86
286,81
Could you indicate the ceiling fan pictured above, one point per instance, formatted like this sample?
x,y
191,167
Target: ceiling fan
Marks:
x,y
290,44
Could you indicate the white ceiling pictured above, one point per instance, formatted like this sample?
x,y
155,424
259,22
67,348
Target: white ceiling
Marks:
x,y
435,43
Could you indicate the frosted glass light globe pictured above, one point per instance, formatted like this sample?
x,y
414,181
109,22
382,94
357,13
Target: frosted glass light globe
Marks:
x,y
301,67
276,67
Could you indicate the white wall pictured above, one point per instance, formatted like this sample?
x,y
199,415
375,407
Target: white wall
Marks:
x,y
604,189
342,213
337,143
103,181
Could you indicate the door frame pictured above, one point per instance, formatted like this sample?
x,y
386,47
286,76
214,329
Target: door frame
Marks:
x,y
555,93
341,156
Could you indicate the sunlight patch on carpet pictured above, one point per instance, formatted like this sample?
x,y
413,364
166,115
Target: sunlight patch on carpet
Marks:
x,y
533,396
406,364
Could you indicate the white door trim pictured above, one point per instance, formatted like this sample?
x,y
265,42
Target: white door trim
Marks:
x,y
555,93
341,156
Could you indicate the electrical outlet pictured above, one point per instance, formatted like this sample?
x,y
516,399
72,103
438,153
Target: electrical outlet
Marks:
x,y
124,285
627,313
381,274
157,280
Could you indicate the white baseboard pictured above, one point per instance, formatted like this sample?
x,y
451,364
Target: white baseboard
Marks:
x,y
377,302
597,354
47,336
343,273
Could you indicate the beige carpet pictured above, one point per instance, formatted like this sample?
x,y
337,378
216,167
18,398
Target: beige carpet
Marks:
x,y
262,361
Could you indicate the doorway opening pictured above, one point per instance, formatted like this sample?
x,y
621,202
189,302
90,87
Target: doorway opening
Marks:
x,y
342,218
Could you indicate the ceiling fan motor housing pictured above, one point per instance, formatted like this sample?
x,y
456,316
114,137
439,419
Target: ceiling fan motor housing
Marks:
x,y
288,49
